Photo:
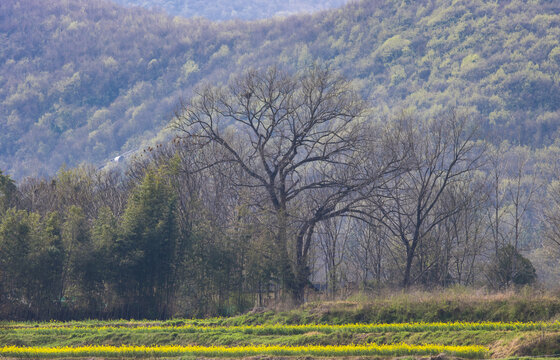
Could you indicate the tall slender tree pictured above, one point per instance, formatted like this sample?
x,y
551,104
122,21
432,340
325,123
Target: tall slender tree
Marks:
x,y
146,248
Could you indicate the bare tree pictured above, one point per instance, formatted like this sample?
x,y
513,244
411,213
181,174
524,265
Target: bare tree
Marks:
x,y
462,236
514,183
551,218
112,190
497,174
300,141
522,188
442,151
367,253
333,235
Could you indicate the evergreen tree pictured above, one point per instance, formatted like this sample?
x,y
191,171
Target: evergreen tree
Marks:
x,y
8,191
511,268
45,263
14,249
145,248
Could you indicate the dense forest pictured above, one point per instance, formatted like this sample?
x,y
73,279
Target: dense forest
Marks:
x,y
234,9
276,187
85,81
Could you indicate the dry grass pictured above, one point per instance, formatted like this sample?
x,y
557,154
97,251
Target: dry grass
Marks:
x,y
458,293
457,303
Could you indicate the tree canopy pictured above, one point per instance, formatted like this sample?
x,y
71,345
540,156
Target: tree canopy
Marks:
x,y
234,9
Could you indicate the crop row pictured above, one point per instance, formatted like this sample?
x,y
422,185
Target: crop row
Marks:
x,y
241,351
111,323
281,329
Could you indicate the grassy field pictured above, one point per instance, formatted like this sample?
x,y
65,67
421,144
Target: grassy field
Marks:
x,y
404,325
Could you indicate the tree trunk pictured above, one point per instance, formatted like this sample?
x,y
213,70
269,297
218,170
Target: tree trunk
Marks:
x,y
410,251
301,279
409,257
283,266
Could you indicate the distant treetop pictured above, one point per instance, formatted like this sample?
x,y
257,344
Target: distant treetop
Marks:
x,y
234,9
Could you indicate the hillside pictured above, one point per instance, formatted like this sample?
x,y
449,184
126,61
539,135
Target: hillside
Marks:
x,y
234,9
85,81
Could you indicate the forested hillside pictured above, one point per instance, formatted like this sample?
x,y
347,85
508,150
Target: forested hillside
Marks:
x,y
234,9
83,81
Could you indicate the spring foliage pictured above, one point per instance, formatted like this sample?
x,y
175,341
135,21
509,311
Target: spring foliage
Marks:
x,y
84,80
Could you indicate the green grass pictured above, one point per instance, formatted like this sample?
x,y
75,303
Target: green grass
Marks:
x,y
506,341
131,336
458,304
220,338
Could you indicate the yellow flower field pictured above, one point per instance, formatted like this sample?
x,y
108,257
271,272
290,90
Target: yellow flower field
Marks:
x,y
240,351
281,329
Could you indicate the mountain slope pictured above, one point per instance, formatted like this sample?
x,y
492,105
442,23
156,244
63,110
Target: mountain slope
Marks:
x,y
81,80
234,9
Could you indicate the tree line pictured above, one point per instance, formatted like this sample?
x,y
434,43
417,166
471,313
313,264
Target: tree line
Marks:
x,y
277,186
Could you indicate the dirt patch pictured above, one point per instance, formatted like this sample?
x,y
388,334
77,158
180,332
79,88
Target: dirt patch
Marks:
x,y
312,333
330,306
439,357
360,338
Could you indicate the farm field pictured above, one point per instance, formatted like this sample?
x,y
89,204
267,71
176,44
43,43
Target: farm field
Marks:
x,y
321,330
152,339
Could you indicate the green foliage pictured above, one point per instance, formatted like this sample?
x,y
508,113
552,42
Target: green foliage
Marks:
x,y
8,193
46,264
15,234
32,254
83,271
234,9
98,244
146,246
511,268
393,48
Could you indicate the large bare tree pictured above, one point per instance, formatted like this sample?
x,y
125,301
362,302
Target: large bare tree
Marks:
x,y
304,149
